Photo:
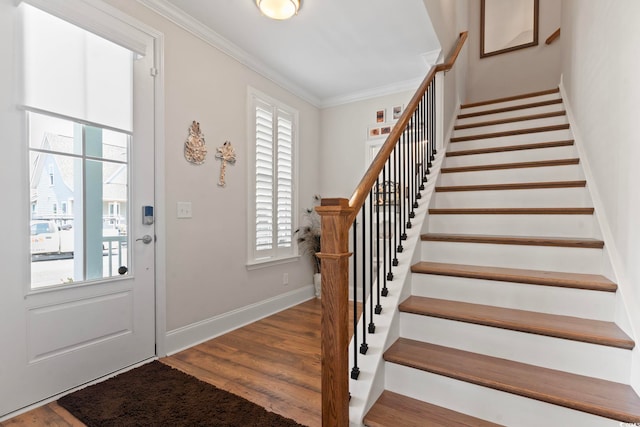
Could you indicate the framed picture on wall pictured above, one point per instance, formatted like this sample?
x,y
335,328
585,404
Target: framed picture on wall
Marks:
x,y
380,116
385,130
373,132
396,112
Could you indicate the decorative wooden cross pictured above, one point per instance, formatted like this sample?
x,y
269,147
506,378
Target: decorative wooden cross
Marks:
x,y
226,154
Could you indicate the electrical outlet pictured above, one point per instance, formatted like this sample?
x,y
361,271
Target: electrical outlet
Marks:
x,y
184,210
285,279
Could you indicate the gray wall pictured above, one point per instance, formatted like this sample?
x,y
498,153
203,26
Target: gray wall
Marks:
x,y
525,70
600,76
206,255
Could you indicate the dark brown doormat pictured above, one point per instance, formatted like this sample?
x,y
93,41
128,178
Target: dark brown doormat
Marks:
x,y
157,395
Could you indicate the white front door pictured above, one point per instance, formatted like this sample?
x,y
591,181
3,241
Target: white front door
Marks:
x,y
77,298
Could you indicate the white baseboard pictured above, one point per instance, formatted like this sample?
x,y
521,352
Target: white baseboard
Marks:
x,y
196,333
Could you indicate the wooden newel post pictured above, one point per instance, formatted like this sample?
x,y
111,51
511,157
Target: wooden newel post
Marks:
x,y
336,216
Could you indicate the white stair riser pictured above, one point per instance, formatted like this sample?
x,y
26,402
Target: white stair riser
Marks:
x,y
588,261
485,403
553,153
504,127
597,305
505,176
578,226
554,353
496,105
502,141
511,114
574,197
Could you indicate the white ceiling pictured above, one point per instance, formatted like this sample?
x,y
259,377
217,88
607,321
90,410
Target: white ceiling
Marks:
x,y
333,51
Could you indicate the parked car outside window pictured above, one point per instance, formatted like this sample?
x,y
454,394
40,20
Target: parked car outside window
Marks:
x,y
45,238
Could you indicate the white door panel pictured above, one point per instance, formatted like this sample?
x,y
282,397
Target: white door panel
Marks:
x,y
55,338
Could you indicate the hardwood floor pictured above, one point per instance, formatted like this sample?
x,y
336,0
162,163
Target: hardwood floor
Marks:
x,y
274,362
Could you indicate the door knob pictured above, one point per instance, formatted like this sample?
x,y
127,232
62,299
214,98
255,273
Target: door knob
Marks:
x,y
146,239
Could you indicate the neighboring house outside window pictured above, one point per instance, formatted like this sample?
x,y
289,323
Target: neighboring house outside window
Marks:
x,y
272,191
51,180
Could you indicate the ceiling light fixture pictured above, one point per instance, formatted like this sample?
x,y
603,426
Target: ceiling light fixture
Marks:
x,y
279,9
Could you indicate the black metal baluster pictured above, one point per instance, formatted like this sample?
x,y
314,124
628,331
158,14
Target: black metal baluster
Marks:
x,y
385,267
421,144
364,347
389,224
427,138
396,204
412,165
432,91
355,371
405,181
372,326
418,167
378,309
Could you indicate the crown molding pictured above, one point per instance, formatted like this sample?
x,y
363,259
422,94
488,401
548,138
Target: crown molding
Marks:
x,y
376,92
198,29
203,32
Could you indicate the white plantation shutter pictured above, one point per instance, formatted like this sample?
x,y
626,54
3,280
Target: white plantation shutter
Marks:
x,y
284,188
264,178
273,219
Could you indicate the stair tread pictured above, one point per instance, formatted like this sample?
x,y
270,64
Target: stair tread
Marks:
x,y
600,397
512,186
510,133
515,240
511,120
535,277
511,108
393,409
511,211
553,325
517,165
510,98
489,150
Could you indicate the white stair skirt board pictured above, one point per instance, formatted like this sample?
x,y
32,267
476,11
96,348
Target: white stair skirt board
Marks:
x,y
506,104
588,261
579,226
537,174
485,403
517,156
585,303
511,114
502,141
549,352
505,127
570,197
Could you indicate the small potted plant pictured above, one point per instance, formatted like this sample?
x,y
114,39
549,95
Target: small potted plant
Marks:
x,y
309,241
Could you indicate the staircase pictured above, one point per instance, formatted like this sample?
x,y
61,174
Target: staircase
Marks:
x,y
510,320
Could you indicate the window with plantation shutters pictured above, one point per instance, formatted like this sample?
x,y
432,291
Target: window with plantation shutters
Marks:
x,y
272,218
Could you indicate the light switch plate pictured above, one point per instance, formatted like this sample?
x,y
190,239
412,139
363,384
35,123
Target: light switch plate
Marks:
x,y
184,210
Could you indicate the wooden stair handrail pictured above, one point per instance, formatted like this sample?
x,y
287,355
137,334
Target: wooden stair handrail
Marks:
x,y
337,216
553,37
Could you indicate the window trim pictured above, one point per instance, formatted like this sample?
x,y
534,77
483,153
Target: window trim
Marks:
x,y
255,96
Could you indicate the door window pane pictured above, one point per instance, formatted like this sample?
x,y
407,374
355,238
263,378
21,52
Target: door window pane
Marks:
x,y
78,97
78,224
